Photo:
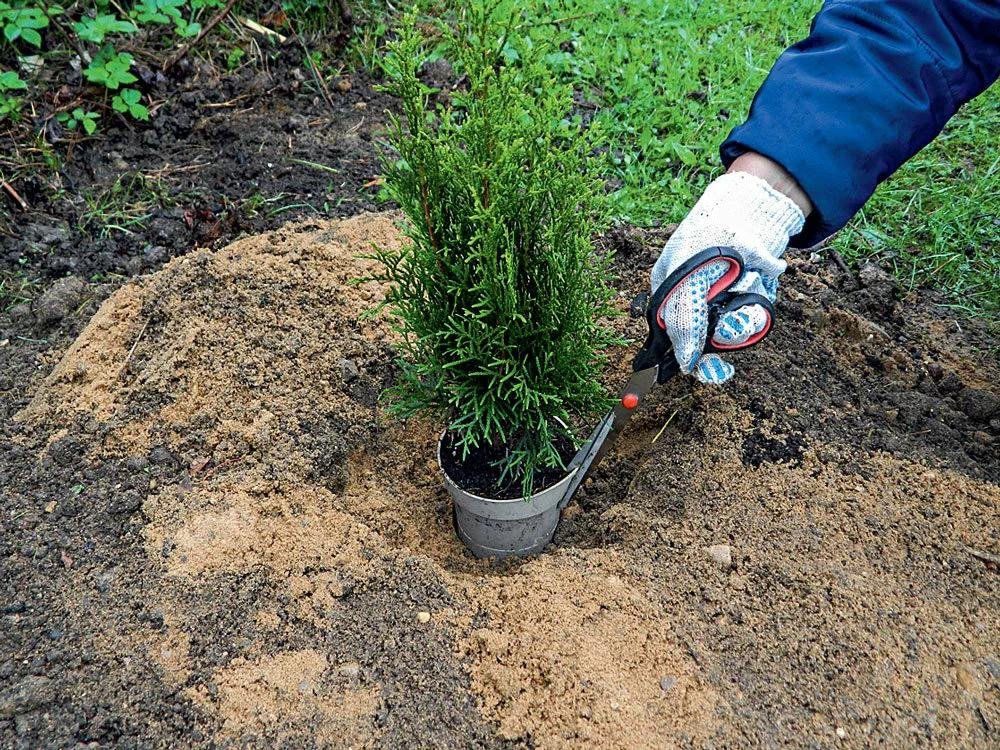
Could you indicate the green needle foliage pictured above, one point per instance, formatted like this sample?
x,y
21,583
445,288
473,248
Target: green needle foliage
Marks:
x,y
499,295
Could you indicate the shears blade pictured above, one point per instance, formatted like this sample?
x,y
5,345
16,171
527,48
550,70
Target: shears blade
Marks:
x,y
606,431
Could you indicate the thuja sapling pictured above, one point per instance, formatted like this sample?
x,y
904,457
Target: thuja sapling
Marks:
x,y
499,294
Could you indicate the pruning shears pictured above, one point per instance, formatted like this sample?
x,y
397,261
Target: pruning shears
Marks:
x,y
655,362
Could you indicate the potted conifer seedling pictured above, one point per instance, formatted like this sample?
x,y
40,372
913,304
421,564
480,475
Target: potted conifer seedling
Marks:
x,y
499,295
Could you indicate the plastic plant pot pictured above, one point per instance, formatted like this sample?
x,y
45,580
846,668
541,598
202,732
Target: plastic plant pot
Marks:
x,y
504,528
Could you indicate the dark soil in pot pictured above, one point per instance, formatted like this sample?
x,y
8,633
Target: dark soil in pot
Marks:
x,y
480,473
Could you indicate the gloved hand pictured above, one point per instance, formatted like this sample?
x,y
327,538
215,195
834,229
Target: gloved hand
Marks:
x,y
744,212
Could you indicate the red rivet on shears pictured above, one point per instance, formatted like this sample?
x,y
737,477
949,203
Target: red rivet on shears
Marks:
x,y
630,400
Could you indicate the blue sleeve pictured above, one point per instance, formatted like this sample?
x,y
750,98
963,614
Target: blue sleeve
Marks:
x,y
873,83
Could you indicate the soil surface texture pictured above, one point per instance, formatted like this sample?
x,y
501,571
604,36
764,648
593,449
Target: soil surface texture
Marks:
x,y
212,536
226,154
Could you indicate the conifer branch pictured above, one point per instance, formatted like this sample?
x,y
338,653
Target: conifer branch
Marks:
x,y
500,297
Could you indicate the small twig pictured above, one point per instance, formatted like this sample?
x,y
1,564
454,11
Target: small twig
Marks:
x,y
356,126
71,39
263,30
168,169
230,103
201,35
985,556
120,9
15,195
665,425
131,351
839,261
315,71
313,164
87,300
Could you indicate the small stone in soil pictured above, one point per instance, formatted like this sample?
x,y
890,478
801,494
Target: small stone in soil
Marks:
x,y
349,370
423,617
103,581
155,254
30,693
59,300
722,555
14,608
666,683
967,678
637,308
350,669
841,732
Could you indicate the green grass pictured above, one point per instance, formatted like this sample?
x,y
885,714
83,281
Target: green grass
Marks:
x,y
936,222
670,78
123,207
16,286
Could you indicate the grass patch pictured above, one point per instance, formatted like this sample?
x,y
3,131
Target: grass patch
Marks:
x,y
16,286
125,206
666,81
669,79
936,223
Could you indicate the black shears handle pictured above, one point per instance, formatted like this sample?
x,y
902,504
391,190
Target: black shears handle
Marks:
x,y
657,350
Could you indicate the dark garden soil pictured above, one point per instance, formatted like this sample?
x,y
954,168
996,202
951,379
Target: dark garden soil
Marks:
x,y
226,154
212,536
479,472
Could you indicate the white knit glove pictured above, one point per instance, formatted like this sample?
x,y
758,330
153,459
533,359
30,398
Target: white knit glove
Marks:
x,y
739,211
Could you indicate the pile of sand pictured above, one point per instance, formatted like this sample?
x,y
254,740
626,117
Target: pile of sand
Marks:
x,y
254,368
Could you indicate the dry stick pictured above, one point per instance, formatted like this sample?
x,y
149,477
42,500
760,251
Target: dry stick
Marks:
x,y
315,71
231,103
15,195
839,261
665,425
985,556
131,351
314,165
356,126
201,35
263,30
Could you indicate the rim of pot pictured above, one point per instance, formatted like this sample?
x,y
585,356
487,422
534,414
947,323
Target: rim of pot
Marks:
x,y
448,476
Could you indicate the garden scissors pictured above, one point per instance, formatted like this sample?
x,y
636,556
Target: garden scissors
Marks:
x,y
655,362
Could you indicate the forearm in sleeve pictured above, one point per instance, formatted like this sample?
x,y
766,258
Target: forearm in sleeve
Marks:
x,y
873,84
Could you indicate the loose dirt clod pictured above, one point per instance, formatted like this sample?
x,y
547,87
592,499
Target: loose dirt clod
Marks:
x,y
251,539
722,555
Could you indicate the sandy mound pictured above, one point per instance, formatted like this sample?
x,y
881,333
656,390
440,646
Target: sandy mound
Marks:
x,y
287,690
289,521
